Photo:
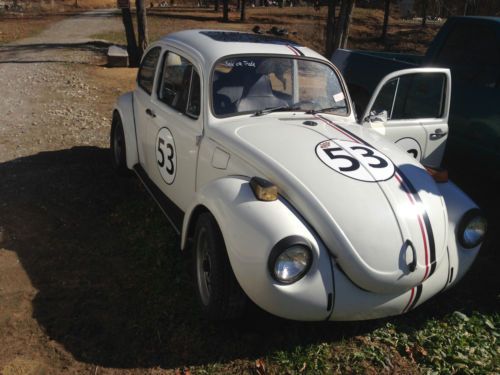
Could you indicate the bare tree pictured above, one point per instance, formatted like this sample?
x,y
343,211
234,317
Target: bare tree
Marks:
x,y
242,11
132,50
225,10
142,26
424,12
342,27
330,28
347,23
386,19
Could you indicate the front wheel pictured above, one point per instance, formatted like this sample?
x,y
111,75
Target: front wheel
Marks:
x,y
117,147
219,293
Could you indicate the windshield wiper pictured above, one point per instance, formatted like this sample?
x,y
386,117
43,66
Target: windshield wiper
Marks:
x,y
322,110
262,112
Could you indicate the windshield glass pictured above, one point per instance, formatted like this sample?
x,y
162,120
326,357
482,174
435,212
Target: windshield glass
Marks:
x,y
249,84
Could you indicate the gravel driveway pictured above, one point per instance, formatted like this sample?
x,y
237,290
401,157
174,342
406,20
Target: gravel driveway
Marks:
x,y
56,190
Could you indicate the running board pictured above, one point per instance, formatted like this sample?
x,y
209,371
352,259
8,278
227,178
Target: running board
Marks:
x,y
173,213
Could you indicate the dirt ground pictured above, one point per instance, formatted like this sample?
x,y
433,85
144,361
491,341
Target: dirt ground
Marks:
x,y
91,280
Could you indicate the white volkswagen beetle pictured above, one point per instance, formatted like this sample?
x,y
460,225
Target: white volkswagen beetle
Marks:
x,y
250,146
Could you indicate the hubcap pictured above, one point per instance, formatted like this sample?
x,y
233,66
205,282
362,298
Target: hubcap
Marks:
x,y
203,267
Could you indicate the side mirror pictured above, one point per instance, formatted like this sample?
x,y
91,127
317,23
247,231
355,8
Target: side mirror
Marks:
x,y
376,117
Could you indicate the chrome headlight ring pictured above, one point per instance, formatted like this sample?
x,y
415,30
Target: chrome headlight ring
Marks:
x,y
472,228
290,259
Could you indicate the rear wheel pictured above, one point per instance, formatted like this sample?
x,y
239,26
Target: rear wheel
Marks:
x,y
118,148
219,293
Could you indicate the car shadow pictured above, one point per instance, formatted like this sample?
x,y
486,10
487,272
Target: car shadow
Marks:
x,y
113,287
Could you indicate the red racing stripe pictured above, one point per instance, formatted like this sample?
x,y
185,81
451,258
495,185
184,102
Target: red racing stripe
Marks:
x,y
410,301
420,223
295,52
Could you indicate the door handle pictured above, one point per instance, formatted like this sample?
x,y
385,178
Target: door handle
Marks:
x,y
437,134
150,113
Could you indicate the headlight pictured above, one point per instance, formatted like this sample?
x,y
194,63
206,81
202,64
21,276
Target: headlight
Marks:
x,y
290,259
472,229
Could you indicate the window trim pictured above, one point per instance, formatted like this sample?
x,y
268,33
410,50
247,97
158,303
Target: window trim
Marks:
x,y
339,76
155,71
159,87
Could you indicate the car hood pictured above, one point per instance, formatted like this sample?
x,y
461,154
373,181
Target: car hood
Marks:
x,y
377,210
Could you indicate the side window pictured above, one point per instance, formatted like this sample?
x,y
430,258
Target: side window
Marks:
x,y
180,85
412,96
146,75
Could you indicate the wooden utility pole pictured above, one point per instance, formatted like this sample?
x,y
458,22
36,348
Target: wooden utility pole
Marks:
x,y
386,19
142,26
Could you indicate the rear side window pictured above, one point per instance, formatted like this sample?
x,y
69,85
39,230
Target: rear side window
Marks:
x,y
180,85
146,75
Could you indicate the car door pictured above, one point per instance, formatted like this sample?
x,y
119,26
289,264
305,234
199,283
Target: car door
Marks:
x,y
411,108
175,128
142,99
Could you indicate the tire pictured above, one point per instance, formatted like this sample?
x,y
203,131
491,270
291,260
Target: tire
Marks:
x,y
218,291
118,147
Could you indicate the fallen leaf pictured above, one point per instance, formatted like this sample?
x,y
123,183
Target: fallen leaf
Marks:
x,y
260,366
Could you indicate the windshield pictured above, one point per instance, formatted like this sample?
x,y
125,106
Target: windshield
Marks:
x,y
251,84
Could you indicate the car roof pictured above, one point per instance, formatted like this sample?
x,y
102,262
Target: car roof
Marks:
x,y
212,45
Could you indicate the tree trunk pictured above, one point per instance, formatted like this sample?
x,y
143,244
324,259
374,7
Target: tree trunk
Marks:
x,y
225,10
242,11
386,19
339,25
347,23
133,52
330,28
142,27
424,13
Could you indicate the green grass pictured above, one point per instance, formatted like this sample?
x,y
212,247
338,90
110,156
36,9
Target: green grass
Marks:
x,y
422,342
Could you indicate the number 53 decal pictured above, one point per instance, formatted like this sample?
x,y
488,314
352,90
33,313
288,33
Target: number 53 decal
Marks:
x,y
355,160
165,155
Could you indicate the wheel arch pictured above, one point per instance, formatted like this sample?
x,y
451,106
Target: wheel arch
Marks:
x,y
124,108
188,228
249,230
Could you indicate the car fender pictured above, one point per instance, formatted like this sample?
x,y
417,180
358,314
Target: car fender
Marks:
x,y
125,109
251,228
457,205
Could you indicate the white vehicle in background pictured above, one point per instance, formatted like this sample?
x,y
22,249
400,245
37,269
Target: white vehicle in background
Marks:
x,y
250,146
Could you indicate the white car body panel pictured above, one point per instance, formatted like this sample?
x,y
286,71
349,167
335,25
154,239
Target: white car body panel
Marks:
x,y
366,232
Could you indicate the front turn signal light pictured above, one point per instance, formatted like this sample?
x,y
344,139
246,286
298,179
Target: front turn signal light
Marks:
x,y
263,189
439,175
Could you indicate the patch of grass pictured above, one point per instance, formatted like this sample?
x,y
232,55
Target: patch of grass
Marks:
x,y
309,359
455,344
15,29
